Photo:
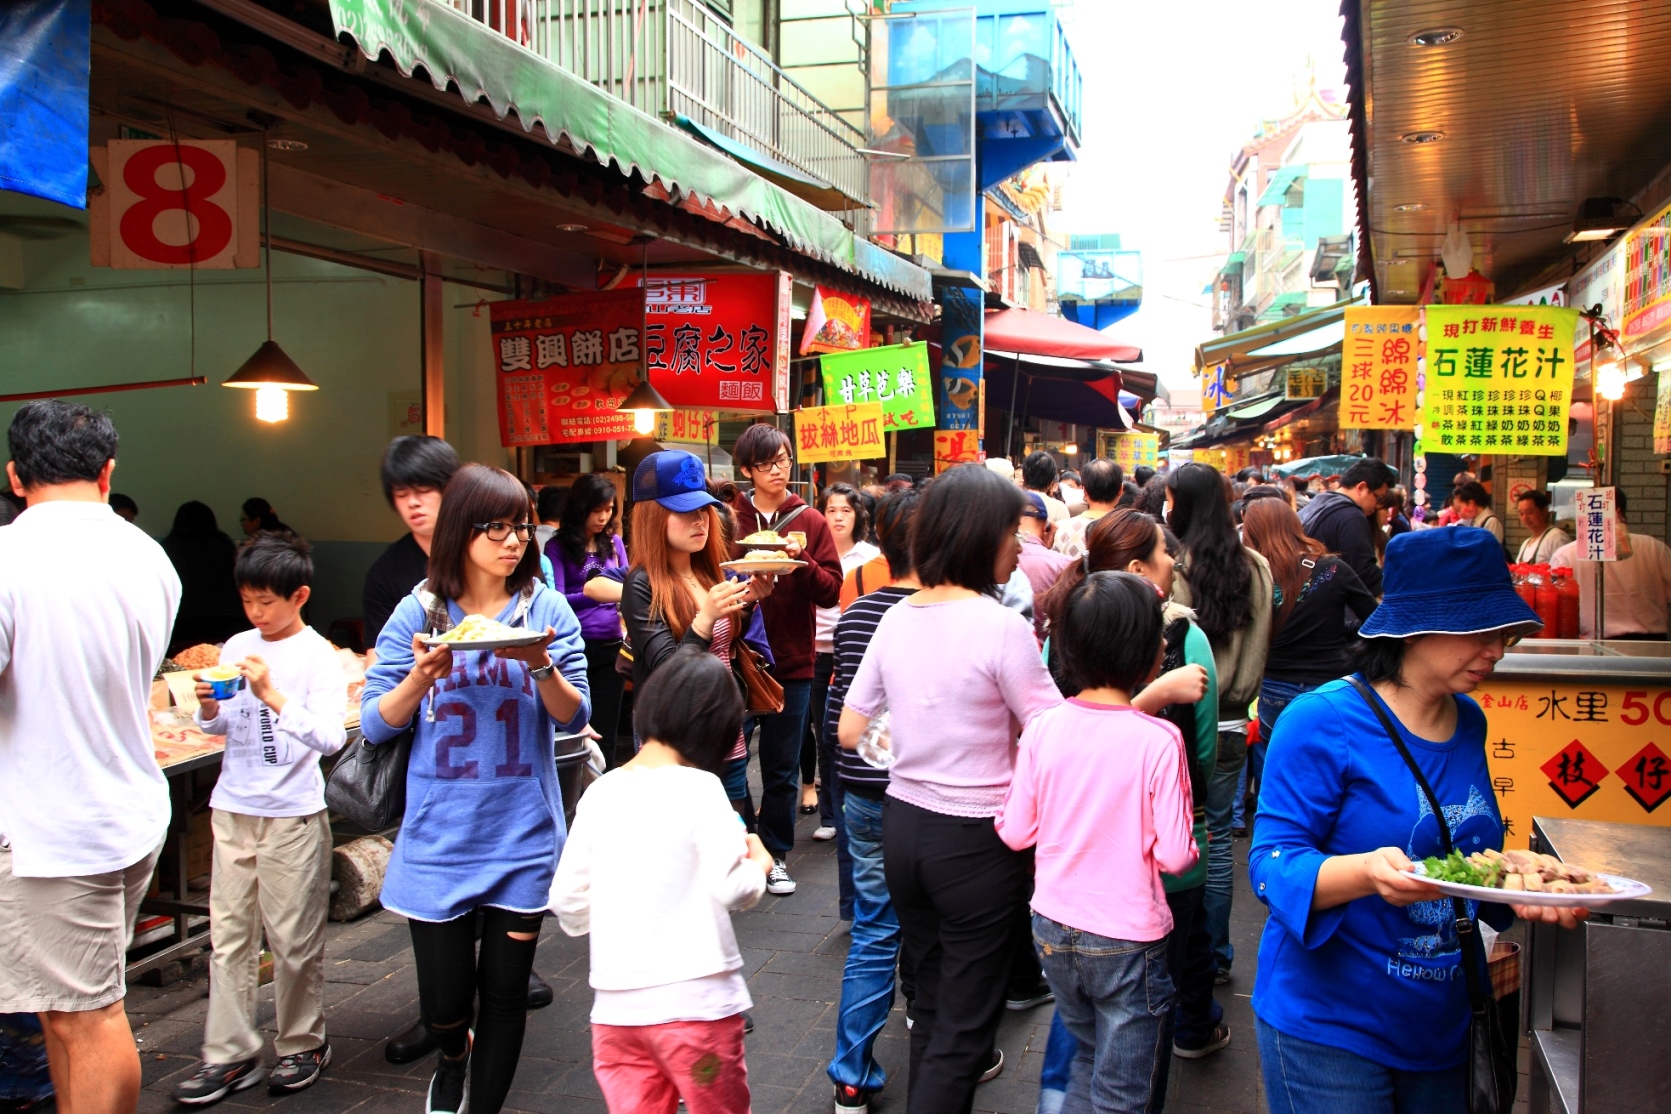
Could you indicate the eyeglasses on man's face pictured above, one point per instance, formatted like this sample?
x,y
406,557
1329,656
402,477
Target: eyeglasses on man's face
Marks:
x,y
499,531
779,463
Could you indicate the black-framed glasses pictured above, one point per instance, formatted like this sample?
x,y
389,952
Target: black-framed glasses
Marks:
x,y
780,463
499,531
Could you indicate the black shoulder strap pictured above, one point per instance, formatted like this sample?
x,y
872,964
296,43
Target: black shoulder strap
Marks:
x,y
788,518
1473,952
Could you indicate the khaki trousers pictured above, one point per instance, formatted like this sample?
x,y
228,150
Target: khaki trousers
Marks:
x,y
272,872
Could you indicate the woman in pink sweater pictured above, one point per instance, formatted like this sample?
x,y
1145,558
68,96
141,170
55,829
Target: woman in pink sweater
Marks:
x,y
1101,792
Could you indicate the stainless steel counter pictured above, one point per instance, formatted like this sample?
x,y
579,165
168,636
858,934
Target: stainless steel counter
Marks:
x,y
1613,661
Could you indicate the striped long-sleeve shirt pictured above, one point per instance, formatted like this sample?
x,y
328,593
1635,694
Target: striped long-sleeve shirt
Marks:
x,y
852,636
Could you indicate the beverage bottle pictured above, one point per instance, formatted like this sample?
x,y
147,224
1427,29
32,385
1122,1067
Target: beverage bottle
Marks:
x,y
876,744
1567,597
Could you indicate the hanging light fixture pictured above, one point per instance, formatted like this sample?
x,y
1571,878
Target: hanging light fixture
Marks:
x,y
645,402
270,373
1610,380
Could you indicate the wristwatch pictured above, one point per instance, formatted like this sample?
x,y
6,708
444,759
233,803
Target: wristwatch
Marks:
x,y
542,673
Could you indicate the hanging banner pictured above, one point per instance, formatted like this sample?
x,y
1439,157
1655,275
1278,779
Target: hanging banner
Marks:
x,y
956,446
962,318
1647,278
719,342
835,322
1378,367
1130,450
1662,414
1597,512
1216,389
842,432
1499,379
165,206
564,365
1305,383
686,427
897,376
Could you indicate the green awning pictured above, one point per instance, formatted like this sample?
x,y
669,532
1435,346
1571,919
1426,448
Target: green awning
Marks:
x,y
1235,349
1256,408
1278,309
1318,340
802,185
1281,181
1234,263
455,50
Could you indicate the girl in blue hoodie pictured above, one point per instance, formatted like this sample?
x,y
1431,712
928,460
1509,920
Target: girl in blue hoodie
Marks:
x,y
484,816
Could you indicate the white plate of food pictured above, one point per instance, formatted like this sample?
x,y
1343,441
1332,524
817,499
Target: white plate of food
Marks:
x,y
1524,878
766,564
478,632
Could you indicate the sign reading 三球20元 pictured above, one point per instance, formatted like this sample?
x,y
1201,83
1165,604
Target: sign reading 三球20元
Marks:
x,y
1499,379
1378,367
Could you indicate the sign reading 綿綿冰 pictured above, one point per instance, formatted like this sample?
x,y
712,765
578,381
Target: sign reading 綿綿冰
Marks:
x,y
1378,367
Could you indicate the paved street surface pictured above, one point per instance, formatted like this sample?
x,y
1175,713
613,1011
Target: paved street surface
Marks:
x,y
793,947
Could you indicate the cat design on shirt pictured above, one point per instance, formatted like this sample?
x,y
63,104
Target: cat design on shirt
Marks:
x,y
1466,836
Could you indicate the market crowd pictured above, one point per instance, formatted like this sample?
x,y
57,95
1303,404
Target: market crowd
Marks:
x,y
1032,709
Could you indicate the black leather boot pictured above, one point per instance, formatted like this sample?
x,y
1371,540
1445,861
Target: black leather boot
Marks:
x,y
414,1044
539,992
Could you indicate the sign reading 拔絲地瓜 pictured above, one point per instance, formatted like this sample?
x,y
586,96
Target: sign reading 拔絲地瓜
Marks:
x,y
1499,379
1378,367
719,342
897,376
839,432
564,365
1597,513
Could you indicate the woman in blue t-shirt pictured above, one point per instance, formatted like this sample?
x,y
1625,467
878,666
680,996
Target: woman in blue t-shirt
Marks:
x,y
484,815
1361,1000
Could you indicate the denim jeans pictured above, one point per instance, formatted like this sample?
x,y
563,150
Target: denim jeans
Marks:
x,y
823,665
1303,1077
867,979
1274,696
780,767
1116,998
1221,797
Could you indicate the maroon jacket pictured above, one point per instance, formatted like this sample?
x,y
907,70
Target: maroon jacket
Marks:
x,y
788,611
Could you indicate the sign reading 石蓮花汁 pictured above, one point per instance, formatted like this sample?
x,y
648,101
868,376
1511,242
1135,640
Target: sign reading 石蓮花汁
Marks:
x,y
896,376
839,432
564,365
719,342
1597,514
1499,379
1378,367
1130,450
1576,749
836,322
1305,382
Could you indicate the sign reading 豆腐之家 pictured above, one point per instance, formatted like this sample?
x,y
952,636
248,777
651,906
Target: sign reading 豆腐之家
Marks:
x,y
1499,379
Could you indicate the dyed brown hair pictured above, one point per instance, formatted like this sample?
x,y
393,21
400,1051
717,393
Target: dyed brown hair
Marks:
x,y
477,493
1114,541
668,597
1272,529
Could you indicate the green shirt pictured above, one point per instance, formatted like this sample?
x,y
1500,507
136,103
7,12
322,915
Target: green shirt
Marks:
x,y
1197,651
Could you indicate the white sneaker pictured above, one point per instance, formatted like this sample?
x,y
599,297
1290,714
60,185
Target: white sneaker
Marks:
x,y
824,833
778,880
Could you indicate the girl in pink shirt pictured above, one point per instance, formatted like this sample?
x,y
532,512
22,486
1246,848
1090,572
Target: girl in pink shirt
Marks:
x,y
1101,792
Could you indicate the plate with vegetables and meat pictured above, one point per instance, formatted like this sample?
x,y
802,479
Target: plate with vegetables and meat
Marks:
x,y
1524,878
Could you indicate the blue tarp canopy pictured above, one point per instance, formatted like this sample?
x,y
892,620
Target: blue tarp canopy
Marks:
x,y
44,63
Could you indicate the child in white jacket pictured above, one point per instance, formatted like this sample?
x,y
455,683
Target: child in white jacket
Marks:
x,y
655,862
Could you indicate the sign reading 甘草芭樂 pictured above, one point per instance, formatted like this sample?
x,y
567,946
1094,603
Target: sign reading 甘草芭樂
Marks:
x,y
1499,379
896,375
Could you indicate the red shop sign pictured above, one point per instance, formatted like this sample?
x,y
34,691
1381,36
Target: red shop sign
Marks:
x,y
564,365
719,342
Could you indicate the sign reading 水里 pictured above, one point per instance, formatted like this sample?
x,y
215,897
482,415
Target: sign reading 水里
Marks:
x,y
1499,379
1597,512
897,376
1378,367
839,432
564,365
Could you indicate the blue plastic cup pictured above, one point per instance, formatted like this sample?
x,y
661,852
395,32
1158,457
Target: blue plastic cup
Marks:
x,y
223,690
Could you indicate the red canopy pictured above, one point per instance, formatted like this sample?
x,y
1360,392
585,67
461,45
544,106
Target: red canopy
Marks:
x,y
1041,334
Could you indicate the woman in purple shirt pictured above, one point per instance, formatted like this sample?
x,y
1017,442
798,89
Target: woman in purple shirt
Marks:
x,y
587,542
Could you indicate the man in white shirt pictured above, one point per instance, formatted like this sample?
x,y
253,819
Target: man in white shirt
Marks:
x,y
1038,473
87,602
1637,587
1545,537
1103,481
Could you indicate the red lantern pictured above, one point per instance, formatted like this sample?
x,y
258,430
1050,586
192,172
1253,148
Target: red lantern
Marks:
x,y
1474,289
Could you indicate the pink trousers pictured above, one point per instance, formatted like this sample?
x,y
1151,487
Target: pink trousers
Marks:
x,y
647,1069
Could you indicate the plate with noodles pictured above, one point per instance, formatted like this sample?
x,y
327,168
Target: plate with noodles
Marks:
x,y
478,632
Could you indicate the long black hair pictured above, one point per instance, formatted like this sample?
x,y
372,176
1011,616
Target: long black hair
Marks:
x,y
589,492
1218,570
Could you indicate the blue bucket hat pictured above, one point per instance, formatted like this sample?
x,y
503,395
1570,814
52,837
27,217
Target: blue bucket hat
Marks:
x,y
1452,580
673,478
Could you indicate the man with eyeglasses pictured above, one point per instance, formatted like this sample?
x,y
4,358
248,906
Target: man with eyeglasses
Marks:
x,y
763,454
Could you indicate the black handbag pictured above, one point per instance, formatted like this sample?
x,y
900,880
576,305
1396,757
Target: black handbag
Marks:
x,y
1492,1038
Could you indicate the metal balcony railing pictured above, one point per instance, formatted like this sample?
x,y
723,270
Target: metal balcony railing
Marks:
x,y
670,57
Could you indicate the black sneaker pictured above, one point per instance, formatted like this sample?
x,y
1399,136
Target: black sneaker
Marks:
x,y
299,1072
449,1088
748,1023
852,1100
778,880
212,1082
1219,1039
994,1069
539,992
910,1018
1037,996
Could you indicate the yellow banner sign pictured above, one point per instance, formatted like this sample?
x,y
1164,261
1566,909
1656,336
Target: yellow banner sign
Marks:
x,y
1305,382
1378,367
956,446
839,433
1499,379
1130,450
686,427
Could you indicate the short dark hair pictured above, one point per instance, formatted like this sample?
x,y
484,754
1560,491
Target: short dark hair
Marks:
x,y
1142,474
549,502
895,478
1109,631
855,499
1538,499
257,508
276,562
759,443
477,493
417,460
1369,470
1070,474
1474,492
1038,471
1619,500
964,518
691,704
56,442
1103,481
894,515
120,502
1378,659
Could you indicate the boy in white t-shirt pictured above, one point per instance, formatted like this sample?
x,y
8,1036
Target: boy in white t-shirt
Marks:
x,y
657,854
272,864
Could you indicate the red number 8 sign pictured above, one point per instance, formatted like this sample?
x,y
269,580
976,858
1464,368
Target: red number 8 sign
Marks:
x,y
178,205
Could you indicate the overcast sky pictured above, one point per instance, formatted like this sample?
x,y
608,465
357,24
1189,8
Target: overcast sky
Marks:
x,y
1172,91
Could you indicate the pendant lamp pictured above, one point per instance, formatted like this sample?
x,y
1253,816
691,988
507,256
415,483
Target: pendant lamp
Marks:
x,y
645,401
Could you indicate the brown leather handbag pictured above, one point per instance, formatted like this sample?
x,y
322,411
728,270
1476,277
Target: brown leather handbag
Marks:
x,y
762,692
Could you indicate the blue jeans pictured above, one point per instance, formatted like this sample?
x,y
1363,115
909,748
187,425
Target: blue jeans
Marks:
x,y
1221,797
1303,1077
780,767
867,979
1274,696
1116,998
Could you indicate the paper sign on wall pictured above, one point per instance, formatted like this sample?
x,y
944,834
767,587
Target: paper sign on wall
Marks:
x,y
165,205
1598,524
